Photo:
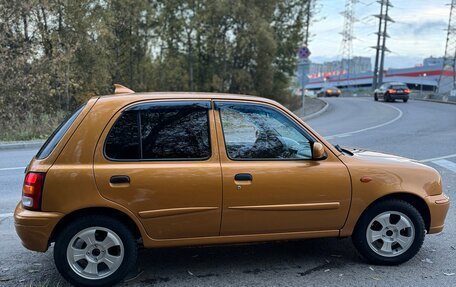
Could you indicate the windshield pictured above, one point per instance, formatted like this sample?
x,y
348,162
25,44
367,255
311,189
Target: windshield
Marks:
x,y
399,87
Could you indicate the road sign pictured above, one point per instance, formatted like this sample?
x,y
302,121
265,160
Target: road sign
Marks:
x,y
304,52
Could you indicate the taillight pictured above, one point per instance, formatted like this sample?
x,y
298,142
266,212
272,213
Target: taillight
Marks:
x,y
391,91
32,190
407,91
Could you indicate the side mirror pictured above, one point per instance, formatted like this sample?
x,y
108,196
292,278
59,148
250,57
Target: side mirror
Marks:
x,y
318,151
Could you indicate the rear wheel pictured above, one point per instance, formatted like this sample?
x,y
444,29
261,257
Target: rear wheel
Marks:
x,y
95,251
405,100
375,97
390,232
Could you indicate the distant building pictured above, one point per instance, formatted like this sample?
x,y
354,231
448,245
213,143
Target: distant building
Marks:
x,y
355,65
431,61
422,76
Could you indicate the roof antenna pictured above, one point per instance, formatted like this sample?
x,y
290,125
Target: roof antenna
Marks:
x,y
119,89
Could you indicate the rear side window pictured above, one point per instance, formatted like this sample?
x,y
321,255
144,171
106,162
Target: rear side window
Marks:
x,y
123,139
57,135
161,131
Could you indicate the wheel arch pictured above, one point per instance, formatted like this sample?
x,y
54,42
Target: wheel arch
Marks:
x,y
95,211
416,201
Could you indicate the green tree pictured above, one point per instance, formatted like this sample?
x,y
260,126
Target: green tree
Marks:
x,y
55,54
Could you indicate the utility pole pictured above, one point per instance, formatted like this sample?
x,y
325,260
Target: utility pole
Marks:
x,y
303,54
346,46
447,77
307,22
380,48
377,48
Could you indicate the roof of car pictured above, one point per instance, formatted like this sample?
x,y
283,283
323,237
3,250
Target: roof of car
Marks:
x,y
186,95
395,83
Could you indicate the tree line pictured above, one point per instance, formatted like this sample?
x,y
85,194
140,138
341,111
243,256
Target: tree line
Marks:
x,y
55,54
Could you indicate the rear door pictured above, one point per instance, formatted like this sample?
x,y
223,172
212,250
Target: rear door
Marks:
x,y
160,160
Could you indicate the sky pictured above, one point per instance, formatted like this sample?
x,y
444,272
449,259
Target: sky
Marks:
x,y
419,30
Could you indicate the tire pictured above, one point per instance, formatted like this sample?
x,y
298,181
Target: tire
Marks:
x,y
369,226
69,246
375,98
405,100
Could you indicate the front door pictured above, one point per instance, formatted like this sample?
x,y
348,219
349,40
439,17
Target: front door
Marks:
x,y
160,160
271,184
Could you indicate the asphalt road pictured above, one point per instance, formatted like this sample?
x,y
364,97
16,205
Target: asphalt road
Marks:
x,y
420,130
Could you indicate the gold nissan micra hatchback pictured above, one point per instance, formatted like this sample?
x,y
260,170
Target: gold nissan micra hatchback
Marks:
x,y
180,169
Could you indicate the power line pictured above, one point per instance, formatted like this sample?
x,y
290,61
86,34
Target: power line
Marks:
x,y
381,48
446,82
346,47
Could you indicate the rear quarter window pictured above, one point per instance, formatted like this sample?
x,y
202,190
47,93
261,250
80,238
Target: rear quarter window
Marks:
x,y
57,135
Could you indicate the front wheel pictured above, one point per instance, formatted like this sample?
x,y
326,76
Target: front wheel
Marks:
x,y
95,251
390,232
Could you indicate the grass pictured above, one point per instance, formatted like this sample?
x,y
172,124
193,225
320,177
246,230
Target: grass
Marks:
x,y
30,127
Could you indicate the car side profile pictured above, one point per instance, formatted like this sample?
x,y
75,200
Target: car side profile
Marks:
x,y
392,91
182,169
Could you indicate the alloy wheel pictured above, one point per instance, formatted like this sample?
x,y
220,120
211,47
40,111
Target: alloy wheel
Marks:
x,y
95,253
390,233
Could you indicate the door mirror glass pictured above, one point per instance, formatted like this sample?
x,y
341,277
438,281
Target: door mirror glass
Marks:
x,y
318,151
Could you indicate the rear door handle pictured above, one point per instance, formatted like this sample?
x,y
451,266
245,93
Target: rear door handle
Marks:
x,y
115,179
243,177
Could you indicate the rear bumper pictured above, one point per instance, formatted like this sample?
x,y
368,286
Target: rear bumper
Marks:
x,y
399,96
438,207
35,227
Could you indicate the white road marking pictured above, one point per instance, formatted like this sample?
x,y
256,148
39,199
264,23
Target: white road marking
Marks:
x,y
446,164
437,158
12,168
347,134
5,215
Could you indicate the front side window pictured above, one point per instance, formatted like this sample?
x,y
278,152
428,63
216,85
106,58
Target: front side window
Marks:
x,y
161,131
254,132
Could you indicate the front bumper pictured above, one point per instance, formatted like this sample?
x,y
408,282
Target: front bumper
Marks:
x,y
35,227
438,207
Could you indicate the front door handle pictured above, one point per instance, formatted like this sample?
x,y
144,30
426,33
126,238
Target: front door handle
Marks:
x,y
243,177
117,179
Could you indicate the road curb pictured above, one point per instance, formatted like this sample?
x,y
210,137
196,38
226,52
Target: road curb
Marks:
x,y
316,114
19,145
436,101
